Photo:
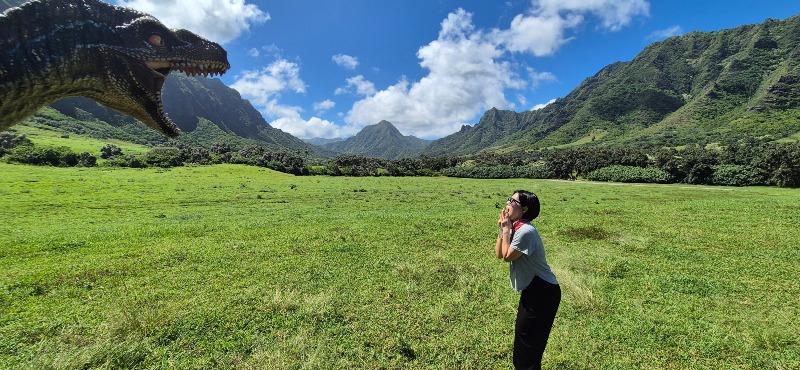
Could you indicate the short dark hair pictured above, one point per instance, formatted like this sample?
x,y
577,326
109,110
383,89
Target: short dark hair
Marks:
x,y
531,201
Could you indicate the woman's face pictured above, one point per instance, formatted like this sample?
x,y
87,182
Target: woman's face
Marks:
x,y
514,209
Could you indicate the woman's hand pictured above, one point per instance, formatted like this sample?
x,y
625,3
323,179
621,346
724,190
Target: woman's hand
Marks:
x,y
504,221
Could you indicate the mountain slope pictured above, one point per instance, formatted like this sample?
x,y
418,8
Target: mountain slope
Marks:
x,y
381,140
190,101
700,87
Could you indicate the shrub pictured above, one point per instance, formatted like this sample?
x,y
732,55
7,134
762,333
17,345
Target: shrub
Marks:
x,y
9,140
283,161
128,160
694,165
164,157
738,175
316,170
110,151
87,160
535,171
194,154
44,156
629,174
355,165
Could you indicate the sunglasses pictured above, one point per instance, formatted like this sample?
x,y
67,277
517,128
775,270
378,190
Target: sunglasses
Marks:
x,y
511,200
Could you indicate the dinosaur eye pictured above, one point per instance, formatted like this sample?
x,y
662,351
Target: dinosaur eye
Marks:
x,y
156,40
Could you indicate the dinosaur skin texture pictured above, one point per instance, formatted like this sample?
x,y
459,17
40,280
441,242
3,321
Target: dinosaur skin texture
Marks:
x,y
52,49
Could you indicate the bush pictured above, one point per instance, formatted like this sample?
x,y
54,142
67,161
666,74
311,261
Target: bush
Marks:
x,y
194,154
535,171
164,157
629,174
283,161
693,165
9,140
110,151
355,165
738,175
44,156
128,160
87,160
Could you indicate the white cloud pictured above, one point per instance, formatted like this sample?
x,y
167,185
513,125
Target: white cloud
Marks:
x,y
523,101
261,86
322,106
540,35
273,50
614,14
313,127
539,77
216,20
290,120
357,85
544,29
346,61
542,105
253,53
665,33
264,88
464,78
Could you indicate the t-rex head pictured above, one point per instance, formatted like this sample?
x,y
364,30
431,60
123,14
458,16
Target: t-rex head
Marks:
x,y
139,61
123,53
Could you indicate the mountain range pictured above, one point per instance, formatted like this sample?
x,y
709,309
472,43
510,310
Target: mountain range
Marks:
x,y
206,110
701,87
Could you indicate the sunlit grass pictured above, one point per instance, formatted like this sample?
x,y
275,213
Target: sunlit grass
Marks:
x,y
78,143
242,267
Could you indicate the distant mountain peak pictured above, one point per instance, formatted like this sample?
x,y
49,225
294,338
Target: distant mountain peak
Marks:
x,y
382,126
382,140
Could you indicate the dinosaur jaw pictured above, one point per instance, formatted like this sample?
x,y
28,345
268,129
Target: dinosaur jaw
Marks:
x,y
150,110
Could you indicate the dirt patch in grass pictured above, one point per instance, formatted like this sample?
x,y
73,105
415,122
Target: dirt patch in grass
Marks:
x,y
584,233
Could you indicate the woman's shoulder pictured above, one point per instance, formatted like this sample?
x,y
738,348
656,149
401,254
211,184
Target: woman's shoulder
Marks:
x,y
528,228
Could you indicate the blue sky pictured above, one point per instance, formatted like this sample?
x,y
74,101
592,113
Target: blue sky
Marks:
x,y
328,68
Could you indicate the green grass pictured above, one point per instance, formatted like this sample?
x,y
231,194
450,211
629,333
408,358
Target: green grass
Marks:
x,y
790,139
588,139
241,267
41,136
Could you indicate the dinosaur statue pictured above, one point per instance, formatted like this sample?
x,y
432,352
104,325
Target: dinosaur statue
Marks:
x,y
51,49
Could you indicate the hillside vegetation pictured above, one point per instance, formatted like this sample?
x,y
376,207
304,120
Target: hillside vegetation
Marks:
x,y
702,87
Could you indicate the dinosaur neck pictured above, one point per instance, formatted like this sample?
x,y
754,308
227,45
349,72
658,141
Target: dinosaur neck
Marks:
x,y
45,56
22,97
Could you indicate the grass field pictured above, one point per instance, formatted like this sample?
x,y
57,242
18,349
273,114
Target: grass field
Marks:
x,y
241,267
42,136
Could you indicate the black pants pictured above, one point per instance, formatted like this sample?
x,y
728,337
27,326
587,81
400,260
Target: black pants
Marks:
x,y
537,311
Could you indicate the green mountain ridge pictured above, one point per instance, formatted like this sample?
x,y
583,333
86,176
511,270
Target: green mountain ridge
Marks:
x,y
381,140
206,110
701,87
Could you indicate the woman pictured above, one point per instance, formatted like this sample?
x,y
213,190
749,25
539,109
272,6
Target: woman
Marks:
x,y
520,244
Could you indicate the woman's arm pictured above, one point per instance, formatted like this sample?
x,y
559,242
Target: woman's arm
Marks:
x,y
503,248
508,254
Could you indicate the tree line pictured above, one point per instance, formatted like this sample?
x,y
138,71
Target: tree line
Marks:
x,y
741,162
